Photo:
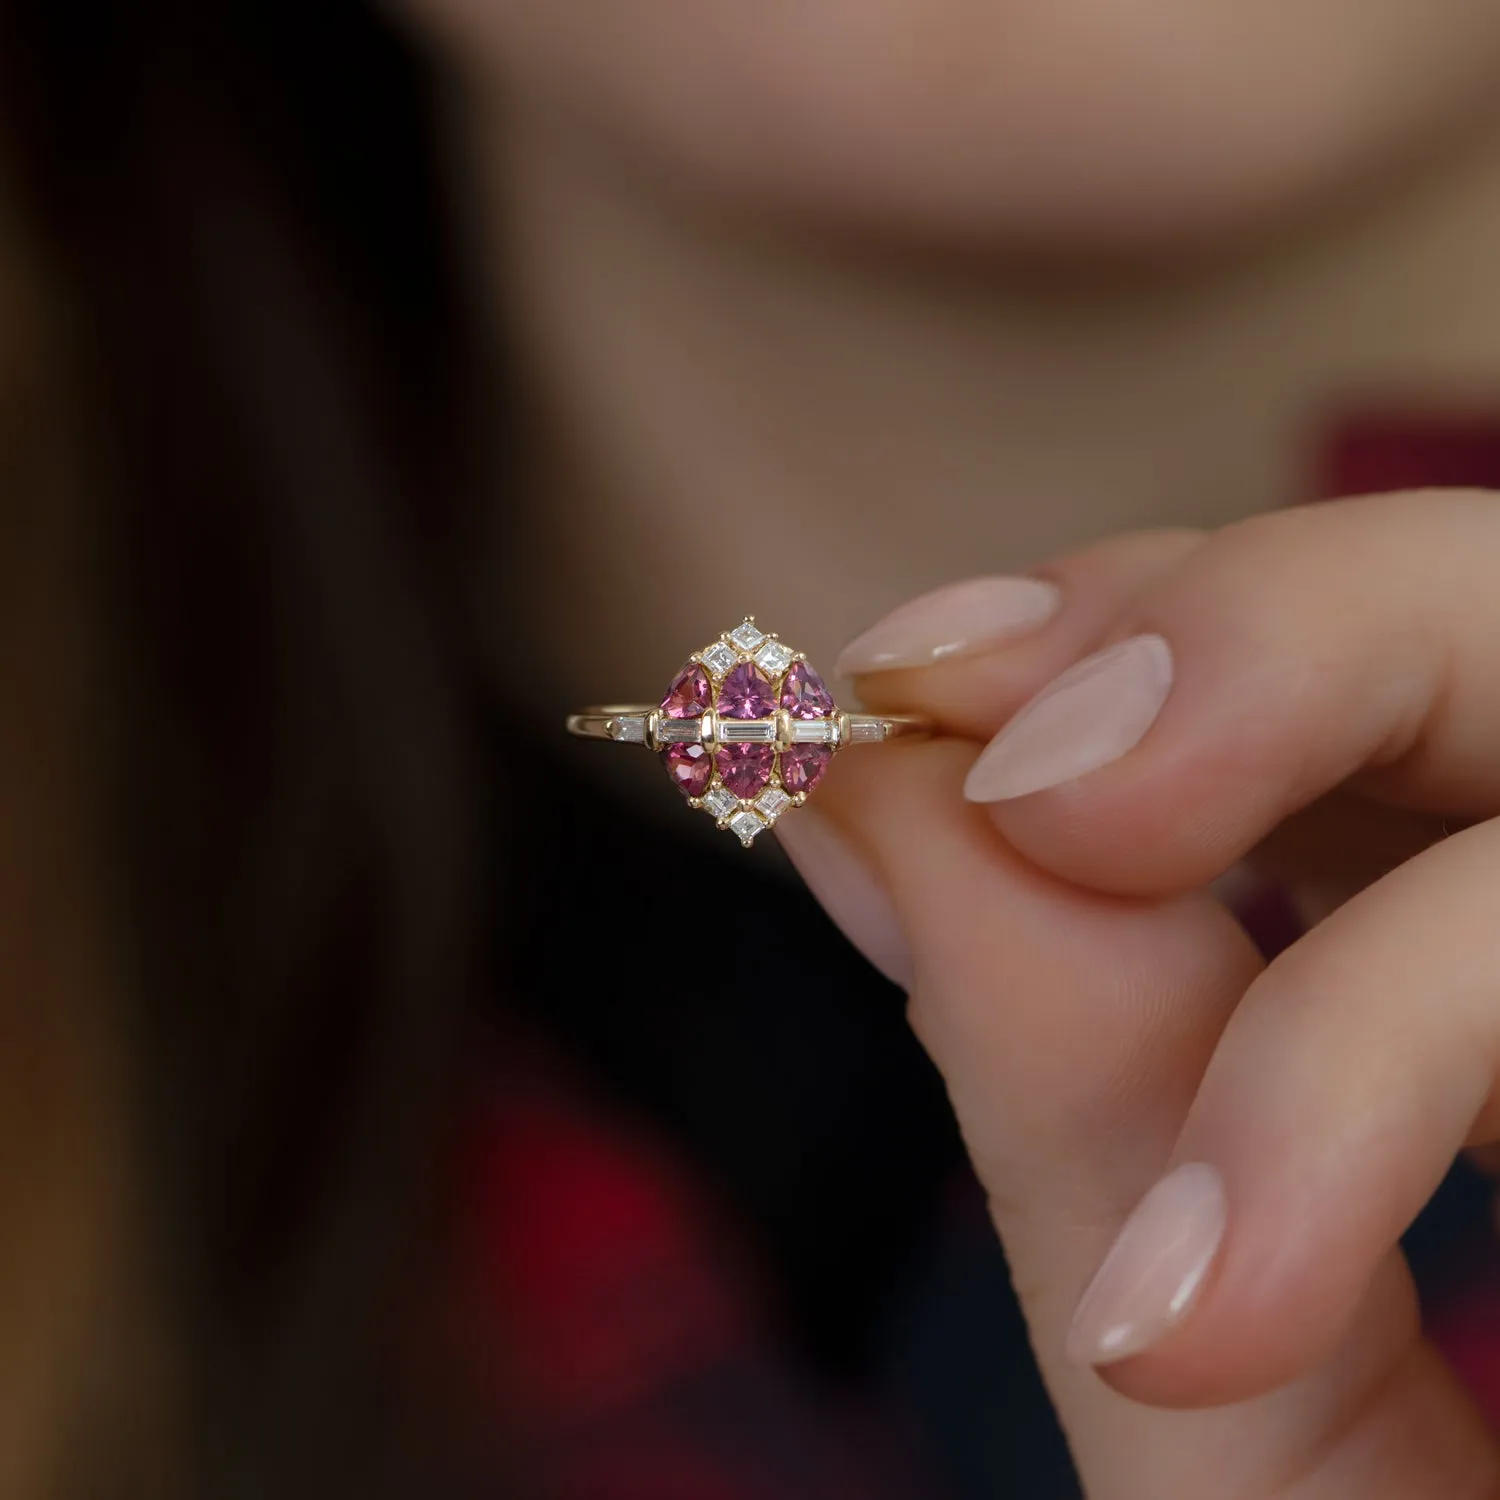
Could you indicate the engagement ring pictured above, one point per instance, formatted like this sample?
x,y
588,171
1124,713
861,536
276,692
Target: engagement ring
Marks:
x,y
746,730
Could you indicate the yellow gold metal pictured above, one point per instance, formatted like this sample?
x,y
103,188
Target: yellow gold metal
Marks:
x,y
600,723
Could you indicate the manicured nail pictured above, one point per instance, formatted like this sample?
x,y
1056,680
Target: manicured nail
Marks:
x,y
1151,1278
959,620
1088,717
847,891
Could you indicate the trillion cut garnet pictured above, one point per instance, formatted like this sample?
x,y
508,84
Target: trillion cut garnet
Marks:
x,y
690,767
804,694
746,694
802,767
688,697
746,769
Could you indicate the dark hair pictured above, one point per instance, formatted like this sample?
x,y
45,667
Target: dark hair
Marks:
x,y
243,204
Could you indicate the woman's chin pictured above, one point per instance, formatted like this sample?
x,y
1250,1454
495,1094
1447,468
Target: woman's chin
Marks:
x,y
1143,124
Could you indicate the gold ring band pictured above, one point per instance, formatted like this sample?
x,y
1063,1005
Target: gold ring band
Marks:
x,y
644,724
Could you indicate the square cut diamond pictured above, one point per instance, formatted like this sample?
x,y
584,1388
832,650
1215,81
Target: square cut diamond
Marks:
x,y
747,637
772,803
774,658
719,802
720,659
631,730
812,731
679,731
747,827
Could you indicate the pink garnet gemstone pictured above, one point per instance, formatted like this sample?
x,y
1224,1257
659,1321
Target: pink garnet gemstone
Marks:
x,y
804,694
746,769
746,694
687,698
690,767
802,767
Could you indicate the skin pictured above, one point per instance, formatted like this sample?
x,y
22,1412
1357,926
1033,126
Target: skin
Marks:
x,y
1137,122
1137,1030
937,289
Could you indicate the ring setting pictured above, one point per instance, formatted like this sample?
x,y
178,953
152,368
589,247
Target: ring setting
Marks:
x,y
746,731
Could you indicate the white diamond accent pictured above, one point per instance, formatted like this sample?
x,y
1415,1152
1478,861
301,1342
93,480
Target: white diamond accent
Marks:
x,y
631,731
812,731
719,802
747,637
754,732
679,731
720,659
774,658
867,733
773,802
747,827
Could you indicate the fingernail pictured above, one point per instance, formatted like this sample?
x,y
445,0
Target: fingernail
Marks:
x,y
959,620
847,891
1088,717
1151,1278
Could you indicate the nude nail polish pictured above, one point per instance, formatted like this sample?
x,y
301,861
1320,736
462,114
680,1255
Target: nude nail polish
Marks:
x,y
962,619
1093,714
1150,1280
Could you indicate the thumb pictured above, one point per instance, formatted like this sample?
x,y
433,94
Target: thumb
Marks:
x,y
1073,1029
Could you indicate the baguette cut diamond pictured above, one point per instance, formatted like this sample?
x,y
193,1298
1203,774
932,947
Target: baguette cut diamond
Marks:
x,y
812,731
630,729
754,733
679,731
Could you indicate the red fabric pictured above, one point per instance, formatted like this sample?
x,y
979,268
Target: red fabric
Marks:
x,y
1377,451
637,1358
597,1258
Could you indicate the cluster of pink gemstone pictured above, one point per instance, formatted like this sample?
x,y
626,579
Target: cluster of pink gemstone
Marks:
x,y
747,694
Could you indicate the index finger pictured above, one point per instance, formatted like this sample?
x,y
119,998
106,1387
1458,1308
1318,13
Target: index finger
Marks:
x,y
1357,642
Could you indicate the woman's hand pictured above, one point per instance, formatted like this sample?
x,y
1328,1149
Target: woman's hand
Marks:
x,y
1316,692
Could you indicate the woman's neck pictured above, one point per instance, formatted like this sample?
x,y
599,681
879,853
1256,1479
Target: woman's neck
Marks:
x,y
729,420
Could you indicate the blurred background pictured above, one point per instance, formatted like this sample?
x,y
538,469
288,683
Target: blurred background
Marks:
x,y
398,1098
